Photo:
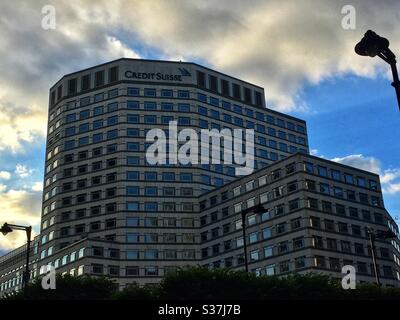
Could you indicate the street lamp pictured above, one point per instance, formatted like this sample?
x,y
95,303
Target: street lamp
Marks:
x,y
7,228
254,209
373,235
374,45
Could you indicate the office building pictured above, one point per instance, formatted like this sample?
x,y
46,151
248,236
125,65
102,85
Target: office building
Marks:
x,y
108,211
316,218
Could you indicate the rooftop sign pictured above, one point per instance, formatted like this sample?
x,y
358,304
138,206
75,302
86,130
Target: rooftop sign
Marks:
x,y
183,72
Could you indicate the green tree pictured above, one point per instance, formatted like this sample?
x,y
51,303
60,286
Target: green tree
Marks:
x,y
198,283
135,292
68,288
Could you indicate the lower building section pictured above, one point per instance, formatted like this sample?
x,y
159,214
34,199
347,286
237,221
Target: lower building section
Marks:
x,y
312,215
309,214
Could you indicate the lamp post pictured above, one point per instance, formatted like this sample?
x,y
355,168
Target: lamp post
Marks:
x,y
255,209
373,235
374,45
7,228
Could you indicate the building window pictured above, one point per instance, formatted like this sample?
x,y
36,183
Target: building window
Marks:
x,y
348,178
324,188
113,270
132,254
247,95
133,92
151,206
334,264
315,222
363,197
99,78
167,93
353,212
351,195
132,222
378,218
133,146
293,204
97,268
283,247
184,121
236,91
151,222
309,167
151,271
133,132
150,191
132,237
132,271
343,227
112,134
356,230
133,160
132,191
98,97
150,119
201,79
149,92
317,242
300,262
98,251
113,74
132,206
183,94
167,106
375,201
373,185
253,237
112,107
85,82
331,244
170,254
186,177
366,215
132,175
270,270
346,246
254,255
133,104
284,266
168,176
267,233
359,248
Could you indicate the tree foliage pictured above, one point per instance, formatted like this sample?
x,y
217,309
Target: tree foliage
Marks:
x,y
197,283
68,288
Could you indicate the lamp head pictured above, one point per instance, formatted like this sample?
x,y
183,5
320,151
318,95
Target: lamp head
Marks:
x,y
5,229
371,44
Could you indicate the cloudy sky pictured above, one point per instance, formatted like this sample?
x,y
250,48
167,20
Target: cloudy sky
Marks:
x,y
297,50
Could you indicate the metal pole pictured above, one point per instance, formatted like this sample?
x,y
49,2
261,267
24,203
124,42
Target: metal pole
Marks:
x,y
372,242
396,81
244,241
28,249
